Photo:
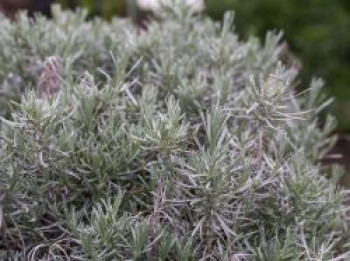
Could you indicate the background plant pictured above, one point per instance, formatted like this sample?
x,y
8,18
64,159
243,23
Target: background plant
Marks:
x,y
176,143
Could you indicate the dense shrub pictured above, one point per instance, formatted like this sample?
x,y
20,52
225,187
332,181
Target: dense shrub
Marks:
x,y
176,143
316,30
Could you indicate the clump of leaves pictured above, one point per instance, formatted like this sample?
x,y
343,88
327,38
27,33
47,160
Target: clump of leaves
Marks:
x,y
176,143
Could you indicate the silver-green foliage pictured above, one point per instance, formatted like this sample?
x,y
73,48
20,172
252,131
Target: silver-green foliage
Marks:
x,y
176,143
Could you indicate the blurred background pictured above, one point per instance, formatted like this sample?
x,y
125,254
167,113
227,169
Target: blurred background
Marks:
x,y
317,33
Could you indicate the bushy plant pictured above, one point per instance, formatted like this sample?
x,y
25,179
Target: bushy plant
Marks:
x,y
176,143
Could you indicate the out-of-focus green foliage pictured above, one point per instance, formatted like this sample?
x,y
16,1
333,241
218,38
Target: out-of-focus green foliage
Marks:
x,y
316,30
105,8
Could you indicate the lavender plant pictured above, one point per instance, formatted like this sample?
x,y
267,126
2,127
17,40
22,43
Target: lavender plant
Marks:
x,y
176,143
